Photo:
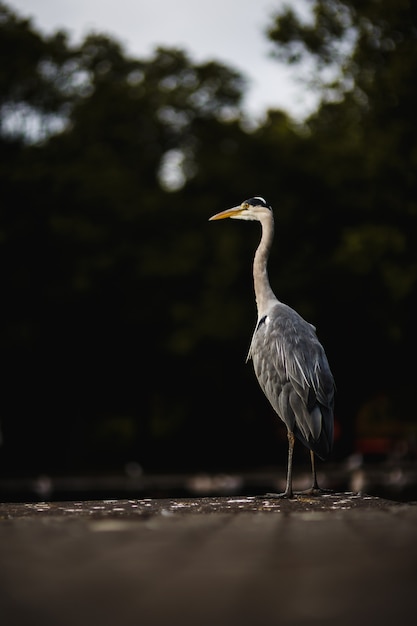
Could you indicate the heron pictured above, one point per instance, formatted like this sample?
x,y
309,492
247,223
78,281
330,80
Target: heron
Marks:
x,y
288,359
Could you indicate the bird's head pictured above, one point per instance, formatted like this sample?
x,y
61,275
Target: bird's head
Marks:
x,y
252,209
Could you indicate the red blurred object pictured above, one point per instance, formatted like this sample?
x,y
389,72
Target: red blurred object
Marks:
x,y
374,445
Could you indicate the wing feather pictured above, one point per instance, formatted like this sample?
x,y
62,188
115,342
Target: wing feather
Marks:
x,y
293,371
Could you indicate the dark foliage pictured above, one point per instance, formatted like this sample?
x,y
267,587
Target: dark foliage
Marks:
x,y
126,316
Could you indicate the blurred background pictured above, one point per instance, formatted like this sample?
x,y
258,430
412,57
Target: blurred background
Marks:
x,y
126,316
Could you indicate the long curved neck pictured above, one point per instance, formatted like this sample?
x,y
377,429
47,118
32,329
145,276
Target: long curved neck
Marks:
x,y
263,292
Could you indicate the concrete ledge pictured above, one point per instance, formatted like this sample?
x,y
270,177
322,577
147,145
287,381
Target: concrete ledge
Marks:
x,y
335,559
144,508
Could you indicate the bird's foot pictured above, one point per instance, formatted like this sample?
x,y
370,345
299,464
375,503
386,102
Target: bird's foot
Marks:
x,y
276,496
314,491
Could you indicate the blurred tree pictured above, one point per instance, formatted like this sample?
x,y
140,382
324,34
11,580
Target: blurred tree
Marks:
x,y
362,57
127,317
99,292
34,78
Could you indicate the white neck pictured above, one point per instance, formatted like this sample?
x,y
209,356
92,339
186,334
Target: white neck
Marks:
x,y
263,292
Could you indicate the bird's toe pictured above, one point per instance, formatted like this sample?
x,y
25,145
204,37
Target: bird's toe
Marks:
x,y
276,496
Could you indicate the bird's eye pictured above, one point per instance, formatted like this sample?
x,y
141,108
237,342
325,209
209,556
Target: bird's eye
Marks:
x,y
245,205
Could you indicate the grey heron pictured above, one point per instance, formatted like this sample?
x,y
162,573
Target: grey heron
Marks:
x,y
289,361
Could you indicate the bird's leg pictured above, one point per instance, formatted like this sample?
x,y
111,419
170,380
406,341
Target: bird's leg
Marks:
x,y
313,471
288,493
288,489
314,490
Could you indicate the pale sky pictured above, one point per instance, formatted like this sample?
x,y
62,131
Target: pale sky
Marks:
x,y
229,31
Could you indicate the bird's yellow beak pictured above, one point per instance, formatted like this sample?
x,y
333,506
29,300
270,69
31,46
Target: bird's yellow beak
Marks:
x,y
228,213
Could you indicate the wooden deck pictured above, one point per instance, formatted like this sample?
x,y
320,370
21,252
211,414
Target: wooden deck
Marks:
x,y
330,560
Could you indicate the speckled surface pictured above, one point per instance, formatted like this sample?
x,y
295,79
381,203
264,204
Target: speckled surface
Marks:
x,y
333,559
138,508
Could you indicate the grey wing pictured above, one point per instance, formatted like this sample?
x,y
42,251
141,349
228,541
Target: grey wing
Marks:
x,y
293,372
